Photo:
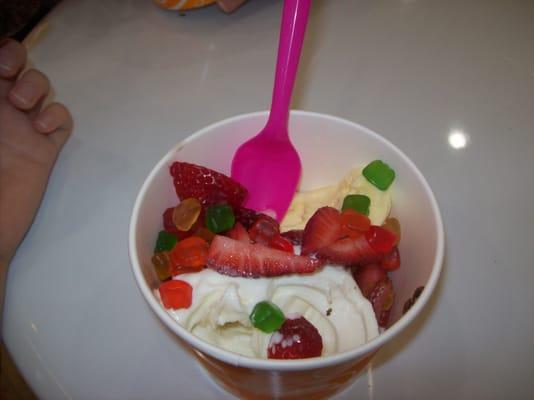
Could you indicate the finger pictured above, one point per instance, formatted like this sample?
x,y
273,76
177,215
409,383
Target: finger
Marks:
x,y
229,6
12,58
32,87
55,121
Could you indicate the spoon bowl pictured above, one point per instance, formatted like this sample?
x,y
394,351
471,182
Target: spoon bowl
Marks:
x,y
270,170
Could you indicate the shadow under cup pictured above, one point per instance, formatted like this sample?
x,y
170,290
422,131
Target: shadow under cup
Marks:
x,y
329,147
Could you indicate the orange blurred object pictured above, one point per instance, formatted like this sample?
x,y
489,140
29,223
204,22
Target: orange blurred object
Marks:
x,y
184,5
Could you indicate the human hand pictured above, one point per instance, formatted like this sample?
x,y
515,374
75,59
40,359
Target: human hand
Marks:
x,y
31,137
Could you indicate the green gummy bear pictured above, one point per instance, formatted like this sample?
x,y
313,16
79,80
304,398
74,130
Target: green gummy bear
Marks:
x,y
219,218
379,174
267,317
165,241
357,202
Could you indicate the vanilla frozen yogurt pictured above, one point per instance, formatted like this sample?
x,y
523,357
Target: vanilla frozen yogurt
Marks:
x,y
329,299
304,204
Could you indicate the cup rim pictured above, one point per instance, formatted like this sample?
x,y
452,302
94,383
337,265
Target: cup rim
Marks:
x,y
285,365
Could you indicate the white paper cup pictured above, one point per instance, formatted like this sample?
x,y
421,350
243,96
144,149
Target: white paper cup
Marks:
x,y
329,147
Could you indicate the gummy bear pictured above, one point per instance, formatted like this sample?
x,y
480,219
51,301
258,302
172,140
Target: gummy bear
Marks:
x,y
393,225
165,242
267,317
176,294
186,214
189,255
219,218
160,261
379,174
357,202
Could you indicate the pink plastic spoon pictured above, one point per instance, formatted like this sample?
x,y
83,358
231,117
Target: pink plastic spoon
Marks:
x,y
268,165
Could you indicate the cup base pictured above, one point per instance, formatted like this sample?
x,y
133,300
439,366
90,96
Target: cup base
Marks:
x,y
313,384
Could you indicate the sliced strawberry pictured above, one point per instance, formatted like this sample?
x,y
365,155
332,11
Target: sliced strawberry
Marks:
x,y
349,251
206,185
246,216
322,229
353,224
367,277
382,298
380,239
297,338
281,243
264,230
239,233
391,261
294,236
230,257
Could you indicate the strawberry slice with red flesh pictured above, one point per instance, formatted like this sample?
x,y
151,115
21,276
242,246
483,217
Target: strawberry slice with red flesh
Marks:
x,y
391,260
382,298
281,243
322,229
234,258
264,230
371,247
380,239
239,233
367,277
206,185
349,251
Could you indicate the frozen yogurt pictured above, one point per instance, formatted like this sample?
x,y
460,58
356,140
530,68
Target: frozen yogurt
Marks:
x,y
305,203
315,285
329,299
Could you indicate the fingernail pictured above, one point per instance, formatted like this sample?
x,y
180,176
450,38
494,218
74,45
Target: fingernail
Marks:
x,y
24,92
8,58
45,121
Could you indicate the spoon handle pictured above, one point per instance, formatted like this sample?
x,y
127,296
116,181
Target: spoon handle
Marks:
x,y
292,30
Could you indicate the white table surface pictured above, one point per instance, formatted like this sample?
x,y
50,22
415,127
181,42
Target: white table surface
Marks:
x,y
139,79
